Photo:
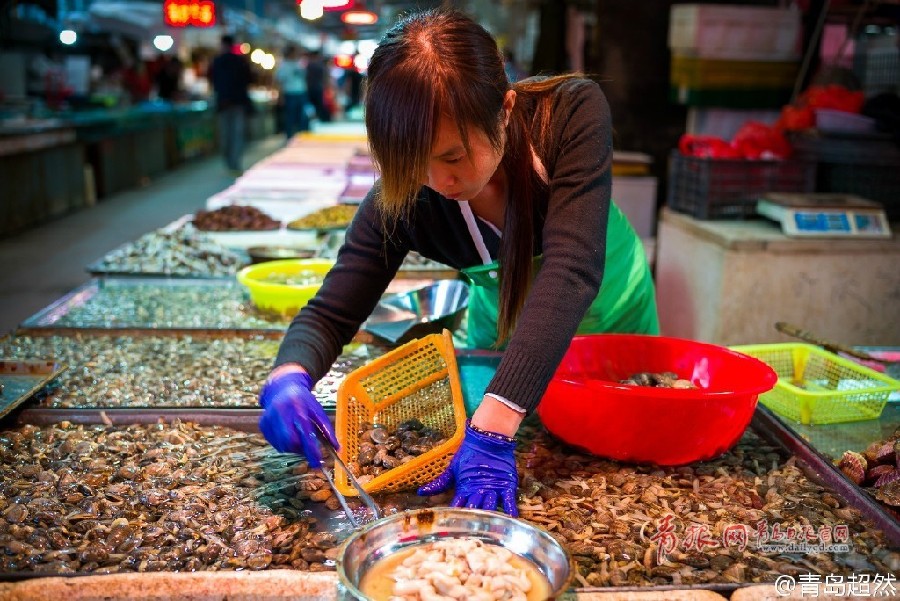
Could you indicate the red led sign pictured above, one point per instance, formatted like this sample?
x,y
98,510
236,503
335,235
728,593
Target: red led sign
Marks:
x,y
184,13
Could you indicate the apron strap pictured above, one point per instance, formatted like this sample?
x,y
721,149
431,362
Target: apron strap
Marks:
x,y
472,225
474,232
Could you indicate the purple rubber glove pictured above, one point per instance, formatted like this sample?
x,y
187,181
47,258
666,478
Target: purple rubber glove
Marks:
x,y
484,471
292,417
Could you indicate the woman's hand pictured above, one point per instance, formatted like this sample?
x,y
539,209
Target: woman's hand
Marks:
x,y
483,471
292,417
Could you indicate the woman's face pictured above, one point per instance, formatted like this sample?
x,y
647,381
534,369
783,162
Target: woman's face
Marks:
x,y
455,173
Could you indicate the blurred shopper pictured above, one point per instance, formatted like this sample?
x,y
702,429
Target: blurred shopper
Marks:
x,y
291,79
168,78
230,76
353,80
316,80
509,184
137,81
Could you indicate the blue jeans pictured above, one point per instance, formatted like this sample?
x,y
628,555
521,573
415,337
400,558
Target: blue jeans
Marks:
x,y
295,117
232,122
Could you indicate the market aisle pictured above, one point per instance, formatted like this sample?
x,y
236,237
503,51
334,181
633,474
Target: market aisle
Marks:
x,y
42,264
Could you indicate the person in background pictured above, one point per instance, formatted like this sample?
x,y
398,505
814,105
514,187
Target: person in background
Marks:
x,y
353,80
291,79
315,85
168,78
509,183
137,81
230,76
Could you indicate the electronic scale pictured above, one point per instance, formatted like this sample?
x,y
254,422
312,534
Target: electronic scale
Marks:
x,y
825,215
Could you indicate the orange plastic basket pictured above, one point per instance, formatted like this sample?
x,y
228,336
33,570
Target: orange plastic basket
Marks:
x,y
417,380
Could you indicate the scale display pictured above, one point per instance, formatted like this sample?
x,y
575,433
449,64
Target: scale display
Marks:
x,y
825,215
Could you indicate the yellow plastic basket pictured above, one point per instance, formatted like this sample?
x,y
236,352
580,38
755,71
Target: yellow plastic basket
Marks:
x,y
417,380
818,387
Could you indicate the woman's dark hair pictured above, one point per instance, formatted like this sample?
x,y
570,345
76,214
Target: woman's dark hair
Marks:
x,y
441,62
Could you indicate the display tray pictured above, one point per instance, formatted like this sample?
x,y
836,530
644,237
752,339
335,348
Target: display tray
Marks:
x,y
828,442
244,239
97,269
171,253
252,508
22,378
152,372
187,304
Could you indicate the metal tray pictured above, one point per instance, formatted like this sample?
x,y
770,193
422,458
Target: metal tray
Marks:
x,y
188,305
152,372
20,379
822,468
824,444
334,521
96,269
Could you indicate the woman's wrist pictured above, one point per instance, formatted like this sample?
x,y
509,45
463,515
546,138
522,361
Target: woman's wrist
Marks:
x,y
287,368
494,416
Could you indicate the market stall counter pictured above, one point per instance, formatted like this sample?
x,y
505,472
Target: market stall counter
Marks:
x,y
729,282
52,166
42,170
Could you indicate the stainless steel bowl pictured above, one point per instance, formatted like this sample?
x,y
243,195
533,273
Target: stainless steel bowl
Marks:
x,y
428,310
389,535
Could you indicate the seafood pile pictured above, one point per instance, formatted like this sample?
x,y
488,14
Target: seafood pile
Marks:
x,y
184,251
234,217
186,497
177,497
125,371
877,468
333,217
381,449
456,568
666,379
706,522
129,305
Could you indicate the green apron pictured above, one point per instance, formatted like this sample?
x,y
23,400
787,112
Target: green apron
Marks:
x,y
626,302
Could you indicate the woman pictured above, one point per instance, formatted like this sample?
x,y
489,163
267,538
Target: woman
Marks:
x,y
475,170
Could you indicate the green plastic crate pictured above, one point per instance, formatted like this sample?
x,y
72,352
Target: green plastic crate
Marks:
x,y
818,387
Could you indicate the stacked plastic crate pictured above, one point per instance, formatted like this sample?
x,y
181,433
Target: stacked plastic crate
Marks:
x,y
732,64
733,56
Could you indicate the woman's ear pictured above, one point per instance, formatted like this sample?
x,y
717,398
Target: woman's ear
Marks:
x,y
509,101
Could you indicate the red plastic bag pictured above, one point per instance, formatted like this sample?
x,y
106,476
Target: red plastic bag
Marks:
x,y
707,147
756,140
833,96
796,118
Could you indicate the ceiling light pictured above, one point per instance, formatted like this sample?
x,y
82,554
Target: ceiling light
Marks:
x,y
328,4
68,37
163,42
359,17
311,9
336,4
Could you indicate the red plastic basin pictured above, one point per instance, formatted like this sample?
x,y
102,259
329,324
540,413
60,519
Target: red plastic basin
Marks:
x,y
585,405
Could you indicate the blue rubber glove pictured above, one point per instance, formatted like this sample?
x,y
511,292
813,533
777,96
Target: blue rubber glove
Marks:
x,y
484,471
292,418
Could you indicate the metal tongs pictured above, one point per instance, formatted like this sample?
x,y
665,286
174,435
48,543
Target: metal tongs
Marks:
x,y
366,497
